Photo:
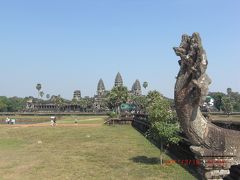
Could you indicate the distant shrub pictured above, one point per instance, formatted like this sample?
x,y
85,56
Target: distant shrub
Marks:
x,y
112,114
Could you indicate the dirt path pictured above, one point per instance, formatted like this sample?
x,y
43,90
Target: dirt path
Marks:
x,y
48,125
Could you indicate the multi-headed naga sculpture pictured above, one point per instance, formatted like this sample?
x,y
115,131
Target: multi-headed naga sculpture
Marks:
x,y
191,89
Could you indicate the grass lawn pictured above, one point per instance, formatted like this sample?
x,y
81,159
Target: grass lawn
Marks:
x,y
82,119
233,118
26,119
60,120
103,152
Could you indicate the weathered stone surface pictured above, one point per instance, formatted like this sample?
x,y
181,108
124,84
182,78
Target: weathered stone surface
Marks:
x,y
136,88
118,80
191,89
77,95
101,88
101,85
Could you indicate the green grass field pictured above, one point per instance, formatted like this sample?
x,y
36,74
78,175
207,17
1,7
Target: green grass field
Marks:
x,y
60,119
82,120
102,152
26,119
231,118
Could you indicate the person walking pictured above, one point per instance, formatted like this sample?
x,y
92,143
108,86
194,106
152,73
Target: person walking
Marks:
x,y
53,120
7,120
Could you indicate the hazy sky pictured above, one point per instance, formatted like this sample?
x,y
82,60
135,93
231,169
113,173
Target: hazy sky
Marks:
x,y
70,44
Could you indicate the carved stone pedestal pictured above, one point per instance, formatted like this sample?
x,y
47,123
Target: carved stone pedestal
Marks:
x,y
212,164
214,167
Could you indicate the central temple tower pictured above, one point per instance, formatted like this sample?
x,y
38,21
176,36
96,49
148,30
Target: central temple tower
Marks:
x,y
118,80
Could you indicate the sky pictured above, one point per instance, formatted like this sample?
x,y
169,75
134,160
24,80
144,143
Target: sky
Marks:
x,y
68,45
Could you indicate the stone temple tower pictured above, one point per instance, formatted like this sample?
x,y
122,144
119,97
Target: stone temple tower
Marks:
x,y
100,88
99,99
77,95
136,88
118,80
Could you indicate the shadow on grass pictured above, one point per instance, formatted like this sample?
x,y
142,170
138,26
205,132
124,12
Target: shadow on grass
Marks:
x,y
192,169
145,160
176,154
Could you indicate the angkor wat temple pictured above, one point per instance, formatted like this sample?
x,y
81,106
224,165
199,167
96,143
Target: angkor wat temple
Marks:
x,y
81,104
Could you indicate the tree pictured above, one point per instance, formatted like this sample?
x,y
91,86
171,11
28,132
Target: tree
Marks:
x,y
41,93
233,96
236,107
217,96
75,101
12,104
47,96
236,97
58,100
235,100
140,102
3,104
116,97
89,102
145,85
227,105
152,97
229,91
16,104
39,87
83,103
164,127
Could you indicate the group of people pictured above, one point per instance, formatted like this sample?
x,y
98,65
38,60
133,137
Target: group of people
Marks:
x,y
10,121
13,121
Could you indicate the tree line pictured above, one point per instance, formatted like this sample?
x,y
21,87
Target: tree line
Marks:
x,y
227,102
12,104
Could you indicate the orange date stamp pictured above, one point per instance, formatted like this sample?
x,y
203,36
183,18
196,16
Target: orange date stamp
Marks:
x,y
195,162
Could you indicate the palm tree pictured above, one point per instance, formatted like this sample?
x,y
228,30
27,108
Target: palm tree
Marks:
x,y
145,85
75,102
41,93
140,102
59,102
227,105
84,104
47,96
39,87
117,96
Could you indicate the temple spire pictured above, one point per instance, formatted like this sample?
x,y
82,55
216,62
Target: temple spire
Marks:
x,y
118,80
136,88
100,88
